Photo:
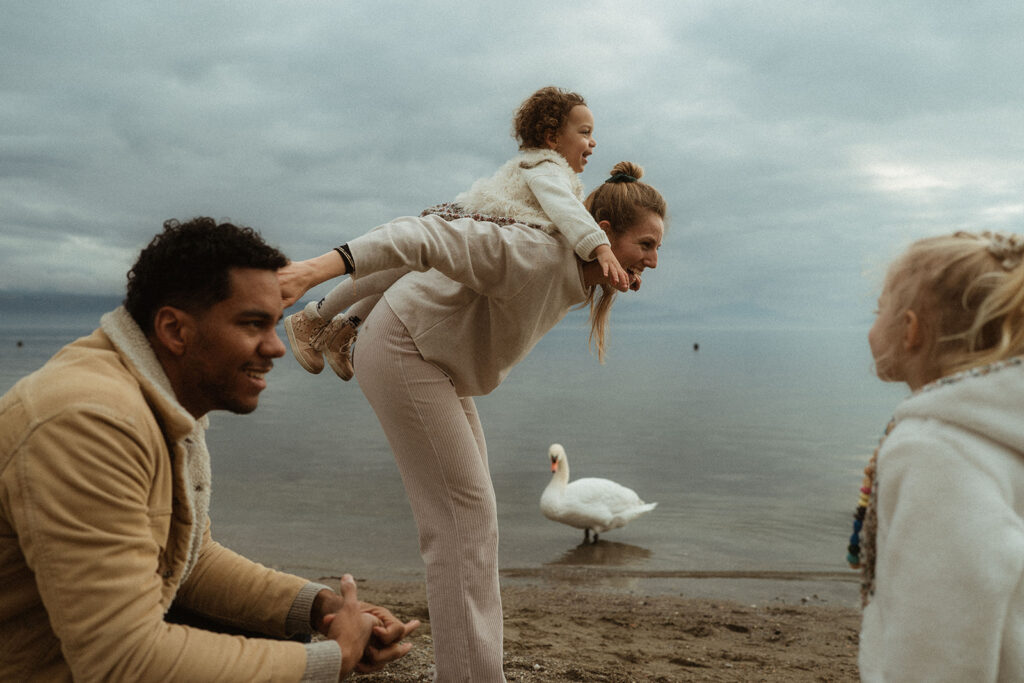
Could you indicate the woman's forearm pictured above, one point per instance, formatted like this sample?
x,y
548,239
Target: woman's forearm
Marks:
x,y
326,266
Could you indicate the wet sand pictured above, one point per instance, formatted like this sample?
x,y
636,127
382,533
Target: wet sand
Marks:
x,y
583,625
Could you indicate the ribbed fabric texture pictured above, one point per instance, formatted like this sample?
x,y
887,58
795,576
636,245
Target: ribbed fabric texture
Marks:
x,y
323,662
297,620
439,446
323,659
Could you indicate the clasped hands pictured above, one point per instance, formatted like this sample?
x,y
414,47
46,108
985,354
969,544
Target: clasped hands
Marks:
x,y
360,627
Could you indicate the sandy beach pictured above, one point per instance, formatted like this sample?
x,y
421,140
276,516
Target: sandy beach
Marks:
x,y
562,629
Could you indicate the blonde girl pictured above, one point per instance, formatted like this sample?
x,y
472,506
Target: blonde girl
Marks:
x,y
538,187
939,535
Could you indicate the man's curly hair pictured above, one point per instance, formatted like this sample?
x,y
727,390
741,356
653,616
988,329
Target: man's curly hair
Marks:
x,y
187,266
542,114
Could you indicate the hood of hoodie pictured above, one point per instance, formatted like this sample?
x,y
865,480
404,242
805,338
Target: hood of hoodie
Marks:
x,y
987,400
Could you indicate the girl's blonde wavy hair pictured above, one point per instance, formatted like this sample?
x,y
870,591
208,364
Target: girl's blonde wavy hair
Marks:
x,y
968,292
622,204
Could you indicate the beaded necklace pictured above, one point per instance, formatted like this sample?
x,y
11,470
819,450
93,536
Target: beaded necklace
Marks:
x,y
860,553
866,520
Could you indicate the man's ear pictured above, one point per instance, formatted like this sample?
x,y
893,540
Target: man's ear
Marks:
x,y
911,331
174,329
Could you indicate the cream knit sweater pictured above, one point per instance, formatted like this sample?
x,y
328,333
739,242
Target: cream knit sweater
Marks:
x,y
484,295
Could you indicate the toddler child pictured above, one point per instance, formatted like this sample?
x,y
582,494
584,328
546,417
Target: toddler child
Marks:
x,y
538,187
939,534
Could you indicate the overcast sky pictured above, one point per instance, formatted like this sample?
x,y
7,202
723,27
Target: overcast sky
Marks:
x,y
800,145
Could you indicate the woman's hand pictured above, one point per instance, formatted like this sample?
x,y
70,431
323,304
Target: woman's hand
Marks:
x,y
298,277
293,279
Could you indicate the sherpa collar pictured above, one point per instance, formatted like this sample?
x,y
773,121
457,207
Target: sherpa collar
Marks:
x,y
181,428
125,334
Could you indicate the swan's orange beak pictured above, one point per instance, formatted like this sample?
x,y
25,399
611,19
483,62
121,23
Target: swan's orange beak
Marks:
x,y
554,465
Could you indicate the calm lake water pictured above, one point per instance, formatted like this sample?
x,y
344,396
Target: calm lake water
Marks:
x,y
751,446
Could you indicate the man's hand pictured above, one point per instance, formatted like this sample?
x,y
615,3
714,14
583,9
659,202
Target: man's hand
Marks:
x,y
348,626
386,643
373,634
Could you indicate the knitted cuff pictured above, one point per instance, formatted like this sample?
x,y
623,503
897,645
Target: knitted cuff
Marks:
x,y
586,246
323,662
297,620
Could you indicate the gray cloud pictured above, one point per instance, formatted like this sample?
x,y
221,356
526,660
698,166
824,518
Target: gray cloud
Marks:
x,y
799,145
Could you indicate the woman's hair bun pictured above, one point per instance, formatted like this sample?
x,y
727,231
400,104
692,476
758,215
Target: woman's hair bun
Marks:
x,y
628,168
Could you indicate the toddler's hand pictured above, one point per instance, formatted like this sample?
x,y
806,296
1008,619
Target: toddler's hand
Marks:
x,y
610,268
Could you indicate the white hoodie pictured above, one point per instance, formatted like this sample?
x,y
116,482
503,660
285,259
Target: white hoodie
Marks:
x,y
948,602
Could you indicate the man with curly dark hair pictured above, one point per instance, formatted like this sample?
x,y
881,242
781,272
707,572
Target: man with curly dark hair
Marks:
x,y
105,492
210,250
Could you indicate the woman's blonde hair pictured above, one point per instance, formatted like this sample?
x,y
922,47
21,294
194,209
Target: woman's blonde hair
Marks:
x,y
967,290
622,200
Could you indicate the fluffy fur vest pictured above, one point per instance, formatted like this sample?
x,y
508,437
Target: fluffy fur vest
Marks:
x,y
507,194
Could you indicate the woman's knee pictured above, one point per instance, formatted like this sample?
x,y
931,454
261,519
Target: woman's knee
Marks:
x,y
453,548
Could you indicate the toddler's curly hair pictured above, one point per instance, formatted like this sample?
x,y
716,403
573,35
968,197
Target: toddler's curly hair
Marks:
x,y
542,114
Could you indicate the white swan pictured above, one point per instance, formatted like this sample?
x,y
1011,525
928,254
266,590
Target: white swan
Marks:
x,y
590,504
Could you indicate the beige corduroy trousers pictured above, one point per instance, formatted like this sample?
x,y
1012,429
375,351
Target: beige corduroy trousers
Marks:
x,y
439,446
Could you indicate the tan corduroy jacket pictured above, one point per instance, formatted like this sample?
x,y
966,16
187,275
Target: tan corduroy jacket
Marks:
x,y
98,513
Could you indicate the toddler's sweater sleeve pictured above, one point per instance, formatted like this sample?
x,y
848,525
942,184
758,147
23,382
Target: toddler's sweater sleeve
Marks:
x,y
565,210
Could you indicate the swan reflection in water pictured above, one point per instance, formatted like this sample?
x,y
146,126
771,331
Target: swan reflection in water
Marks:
x,y
603,554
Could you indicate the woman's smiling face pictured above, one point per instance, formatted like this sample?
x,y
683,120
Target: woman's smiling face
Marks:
x,y
637,247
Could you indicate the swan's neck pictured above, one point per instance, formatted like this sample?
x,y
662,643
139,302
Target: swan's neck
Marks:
x,y
562,473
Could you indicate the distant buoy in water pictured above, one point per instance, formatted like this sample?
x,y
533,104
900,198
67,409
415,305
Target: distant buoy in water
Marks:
x,y
696,347
20,343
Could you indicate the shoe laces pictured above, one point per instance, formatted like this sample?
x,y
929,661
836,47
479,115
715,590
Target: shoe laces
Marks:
x,y
327,335
319,336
